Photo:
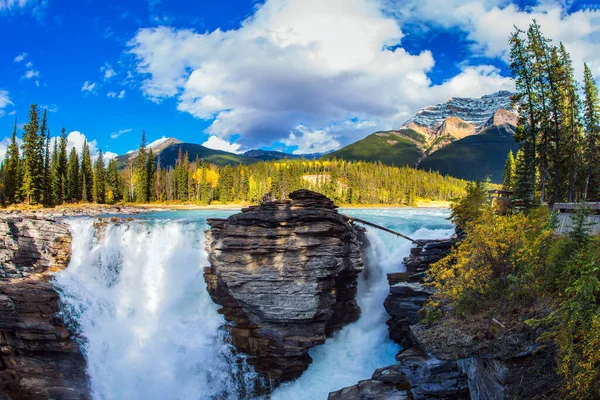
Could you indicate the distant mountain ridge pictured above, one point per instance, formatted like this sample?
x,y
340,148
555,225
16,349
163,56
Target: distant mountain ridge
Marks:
x,y
473,111
464,137
437,136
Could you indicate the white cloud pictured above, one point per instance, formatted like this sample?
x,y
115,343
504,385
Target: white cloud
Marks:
x,y
119,95
52,108
311,141
32,73
4,143
108,71
76,139
216,143
88,87
120,132
21,56
4,99
292,65
109,155
488,23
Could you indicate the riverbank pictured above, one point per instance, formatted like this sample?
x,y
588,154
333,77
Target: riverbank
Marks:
x,y
92,209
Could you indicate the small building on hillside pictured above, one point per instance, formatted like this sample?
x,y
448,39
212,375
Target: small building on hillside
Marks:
x,y
566,211
500,200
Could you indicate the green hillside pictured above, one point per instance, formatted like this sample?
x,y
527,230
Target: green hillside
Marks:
x,y
400,148
168,156
474,157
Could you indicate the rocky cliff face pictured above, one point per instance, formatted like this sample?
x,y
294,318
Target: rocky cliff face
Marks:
x,y
417,375
285,275
39,359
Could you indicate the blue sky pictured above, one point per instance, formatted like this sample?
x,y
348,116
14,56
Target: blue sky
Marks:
x,y
294,75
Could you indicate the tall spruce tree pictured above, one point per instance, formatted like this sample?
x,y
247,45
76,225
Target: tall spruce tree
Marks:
x,y
141,172
525,97
73,177
46,182
509,172
150,171
113,182
591,122
99,190
87,174
33,158
59,169
12,183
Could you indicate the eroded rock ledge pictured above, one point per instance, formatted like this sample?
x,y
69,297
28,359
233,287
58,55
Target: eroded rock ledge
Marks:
x,y
417,374
39,359
285,275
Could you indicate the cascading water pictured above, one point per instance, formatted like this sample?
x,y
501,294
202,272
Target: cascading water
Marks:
x,y
149,329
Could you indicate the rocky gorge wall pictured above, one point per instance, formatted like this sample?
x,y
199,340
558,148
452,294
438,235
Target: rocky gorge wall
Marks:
x,y
417,374
285,276
39,358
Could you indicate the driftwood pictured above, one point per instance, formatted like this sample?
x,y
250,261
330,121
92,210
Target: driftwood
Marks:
x,y
362,221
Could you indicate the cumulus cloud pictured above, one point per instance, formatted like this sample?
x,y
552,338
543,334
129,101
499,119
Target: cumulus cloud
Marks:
x,y
216,143
88,87
120,132
20,57
488,24
119,95
292,71
4,101
108,71
76,139
32,73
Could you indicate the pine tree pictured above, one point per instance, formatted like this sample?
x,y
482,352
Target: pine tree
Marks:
x,y
150,170
73,186
141,172
523,183
48,193
87,174
509,171
11,170
59,168
113,182
33,158
591,122
99,190
527,135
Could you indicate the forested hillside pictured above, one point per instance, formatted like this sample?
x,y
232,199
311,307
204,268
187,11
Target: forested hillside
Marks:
x,y
34,174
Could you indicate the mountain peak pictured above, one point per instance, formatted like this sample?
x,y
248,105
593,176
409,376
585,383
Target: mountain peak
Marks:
x,y
474,111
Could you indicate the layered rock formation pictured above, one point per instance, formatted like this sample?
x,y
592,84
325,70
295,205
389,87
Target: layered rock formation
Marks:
x,y
408,293
39,358
417,375
285,275
475,111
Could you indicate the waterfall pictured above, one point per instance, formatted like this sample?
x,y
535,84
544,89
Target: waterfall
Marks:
x,y
137,298
355,352
148,327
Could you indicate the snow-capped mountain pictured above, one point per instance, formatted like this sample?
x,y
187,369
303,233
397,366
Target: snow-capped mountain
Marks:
x,y
474,111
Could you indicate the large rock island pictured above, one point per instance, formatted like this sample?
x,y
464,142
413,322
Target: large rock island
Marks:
x,y
285,275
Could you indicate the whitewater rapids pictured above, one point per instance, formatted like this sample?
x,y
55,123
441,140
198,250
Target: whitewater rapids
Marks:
x,y
149,330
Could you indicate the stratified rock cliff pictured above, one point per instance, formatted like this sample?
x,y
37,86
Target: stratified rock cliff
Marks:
x,y
285,275
39,359
416,375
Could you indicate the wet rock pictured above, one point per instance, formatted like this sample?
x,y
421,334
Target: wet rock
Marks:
x,y
408,293
39,358
416,376
285,275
